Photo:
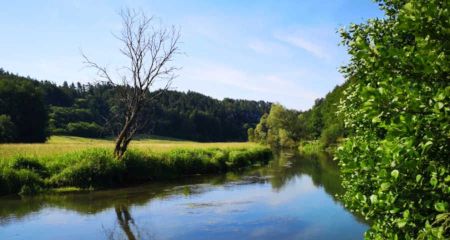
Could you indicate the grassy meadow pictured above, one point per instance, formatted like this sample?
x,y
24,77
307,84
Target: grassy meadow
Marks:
x,y
58,145
82,163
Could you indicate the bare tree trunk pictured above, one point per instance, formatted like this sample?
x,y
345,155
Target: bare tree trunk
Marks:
x,y
121,146
150,51
125,135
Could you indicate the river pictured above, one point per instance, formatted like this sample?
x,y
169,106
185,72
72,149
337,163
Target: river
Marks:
x,y
291,198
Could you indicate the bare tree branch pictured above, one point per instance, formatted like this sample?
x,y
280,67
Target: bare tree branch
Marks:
x,y
150,50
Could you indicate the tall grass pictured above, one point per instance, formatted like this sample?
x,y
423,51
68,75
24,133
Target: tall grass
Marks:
x,y
61,145
311,147
97,168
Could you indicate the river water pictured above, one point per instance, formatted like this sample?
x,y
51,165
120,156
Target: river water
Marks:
x,y
291,198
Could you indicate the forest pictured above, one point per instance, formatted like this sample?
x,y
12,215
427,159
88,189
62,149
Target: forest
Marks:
x,y
32,110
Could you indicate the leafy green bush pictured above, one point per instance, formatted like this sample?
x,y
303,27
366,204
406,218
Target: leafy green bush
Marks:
x,y
84,129
20,181
395,163
31,164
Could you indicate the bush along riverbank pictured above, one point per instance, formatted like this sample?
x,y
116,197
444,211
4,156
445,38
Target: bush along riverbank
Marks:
x,y
97,168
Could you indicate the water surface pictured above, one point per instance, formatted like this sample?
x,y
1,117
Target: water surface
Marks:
x,y
291,198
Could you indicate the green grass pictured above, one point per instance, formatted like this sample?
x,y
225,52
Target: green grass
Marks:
x,y
58,145
317,146
71,162
310,147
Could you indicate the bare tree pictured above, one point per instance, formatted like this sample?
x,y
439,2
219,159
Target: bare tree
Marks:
x,y
150,49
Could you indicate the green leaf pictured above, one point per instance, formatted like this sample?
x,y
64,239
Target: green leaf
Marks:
x,y
447,179
376,119
401,223
395,210
441,206
395,173
373,198
385,186
406,214
427,145
418,178
433,181
408,7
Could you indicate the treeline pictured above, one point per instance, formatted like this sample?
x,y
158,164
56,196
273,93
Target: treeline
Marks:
x,y
285,128
32,110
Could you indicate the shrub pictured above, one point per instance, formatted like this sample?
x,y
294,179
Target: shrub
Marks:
x,y
20,181
84,129
29,164
395,163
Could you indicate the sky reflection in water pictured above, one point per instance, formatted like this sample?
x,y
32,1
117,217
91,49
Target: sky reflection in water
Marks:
x,y
292,198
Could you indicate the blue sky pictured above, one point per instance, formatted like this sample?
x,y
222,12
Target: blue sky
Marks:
x,y
279,51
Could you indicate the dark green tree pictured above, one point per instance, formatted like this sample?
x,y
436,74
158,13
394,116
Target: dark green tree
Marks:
x,y
7,129
22,101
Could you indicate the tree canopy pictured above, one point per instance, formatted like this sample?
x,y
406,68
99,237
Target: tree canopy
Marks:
x,y
23,112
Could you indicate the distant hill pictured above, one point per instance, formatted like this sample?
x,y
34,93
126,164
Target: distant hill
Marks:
x,y
93,110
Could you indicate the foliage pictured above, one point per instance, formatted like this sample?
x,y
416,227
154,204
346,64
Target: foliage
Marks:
x,y
22,101
286,128
84,129
395,164
310,147
279,128
323,121
7,129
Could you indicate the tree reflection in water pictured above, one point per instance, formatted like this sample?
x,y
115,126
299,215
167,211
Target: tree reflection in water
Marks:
x,y
128,229
124,218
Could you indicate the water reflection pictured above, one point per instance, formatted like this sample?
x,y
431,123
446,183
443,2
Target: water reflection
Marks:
x,y
124,218
288,199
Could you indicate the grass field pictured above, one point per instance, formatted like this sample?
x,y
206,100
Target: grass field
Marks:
x,y
73,162
58,145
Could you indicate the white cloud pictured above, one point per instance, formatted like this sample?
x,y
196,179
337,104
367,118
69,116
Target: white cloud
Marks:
x,y
269,86
307,45
267,48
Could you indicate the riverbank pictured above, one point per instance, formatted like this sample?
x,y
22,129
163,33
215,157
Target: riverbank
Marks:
x,y
316,146
95,167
